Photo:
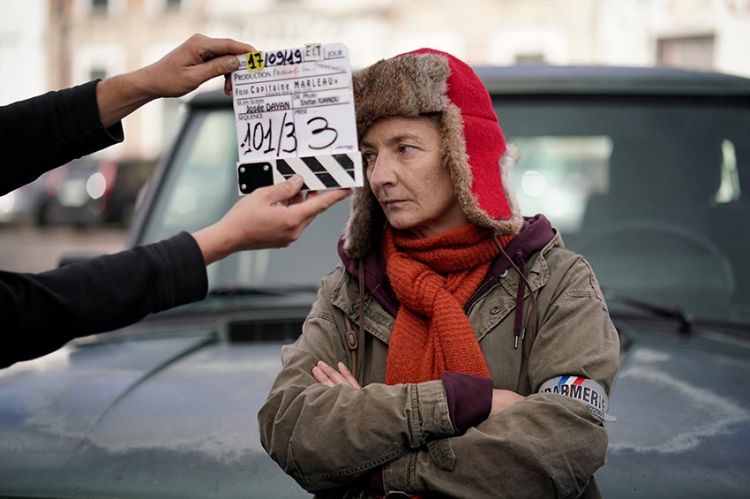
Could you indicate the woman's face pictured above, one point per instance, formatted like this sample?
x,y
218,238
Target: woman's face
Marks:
x,y
406,173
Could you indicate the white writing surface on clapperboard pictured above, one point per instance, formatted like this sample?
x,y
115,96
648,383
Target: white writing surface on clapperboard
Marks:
x,y
294,110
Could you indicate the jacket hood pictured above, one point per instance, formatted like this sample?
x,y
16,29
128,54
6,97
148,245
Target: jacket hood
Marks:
x,y
535,233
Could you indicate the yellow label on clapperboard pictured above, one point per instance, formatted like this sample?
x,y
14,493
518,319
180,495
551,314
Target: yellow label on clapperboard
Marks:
x,y
255,61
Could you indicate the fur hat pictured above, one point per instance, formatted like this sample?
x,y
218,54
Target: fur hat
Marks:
x,y
474,150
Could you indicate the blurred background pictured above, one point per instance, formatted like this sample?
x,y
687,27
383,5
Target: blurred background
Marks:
x,y
85,207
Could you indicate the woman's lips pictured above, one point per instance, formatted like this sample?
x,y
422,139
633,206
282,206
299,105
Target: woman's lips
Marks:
x,y
393,203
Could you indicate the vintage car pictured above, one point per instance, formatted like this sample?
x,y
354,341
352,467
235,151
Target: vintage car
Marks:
x,y
644,171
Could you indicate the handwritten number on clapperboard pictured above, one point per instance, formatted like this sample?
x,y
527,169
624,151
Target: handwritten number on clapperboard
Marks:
x,y
290,134
248,139
323,128
282,57
258,135
264,136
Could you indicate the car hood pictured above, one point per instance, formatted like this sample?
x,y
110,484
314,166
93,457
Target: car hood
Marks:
x,y
683,409
174,416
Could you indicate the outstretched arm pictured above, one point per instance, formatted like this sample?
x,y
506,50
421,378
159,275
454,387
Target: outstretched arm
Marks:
x,y
50,130
41,312
196,61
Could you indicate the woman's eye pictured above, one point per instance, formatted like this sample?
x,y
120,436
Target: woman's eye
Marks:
x,y
369,157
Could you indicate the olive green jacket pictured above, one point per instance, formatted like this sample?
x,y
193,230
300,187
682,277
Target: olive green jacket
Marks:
x,y
547,445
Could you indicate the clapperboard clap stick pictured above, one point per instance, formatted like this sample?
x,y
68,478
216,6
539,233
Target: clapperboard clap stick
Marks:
x,y
318,172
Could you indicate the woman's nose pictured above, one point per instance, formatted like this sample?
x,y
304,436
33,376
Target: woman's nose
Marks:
x,y
381,171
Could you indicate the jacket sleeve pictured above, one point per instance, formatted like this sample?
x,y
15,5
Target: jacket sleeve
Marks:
x,y
546,445
41,312
328,437
47,131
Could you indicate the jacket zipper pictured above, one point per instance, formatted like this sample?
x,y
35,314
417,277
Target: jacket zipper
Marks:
x,y
483,291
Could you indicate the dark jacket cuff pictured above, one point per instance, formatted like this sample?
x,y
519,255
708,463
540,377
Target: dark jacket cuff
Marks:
x,y
184,277
83,116
469,399
376,482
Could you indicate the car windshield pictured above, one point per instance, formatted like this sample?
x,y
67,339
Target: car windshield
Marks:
x,y
654,193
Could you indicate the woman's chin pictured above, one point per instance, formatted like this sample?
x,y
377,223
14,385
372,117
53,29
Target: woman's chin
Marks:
x,y
401,223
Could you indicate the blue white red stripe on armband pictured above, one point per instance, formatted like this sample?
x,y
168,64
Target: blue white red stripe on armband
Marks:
x,y
585,390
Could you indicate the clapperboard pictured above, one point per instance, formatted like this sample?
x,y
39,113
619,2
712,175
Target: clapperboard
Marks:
x,y
294,110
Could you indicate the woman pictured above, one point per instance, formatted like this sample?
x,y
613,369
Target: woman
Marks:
x,y
460,350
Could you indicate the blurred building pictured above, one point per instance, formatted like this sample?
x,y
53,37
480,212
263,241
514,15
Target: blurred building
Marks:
x,y
85,39
703,34
23,45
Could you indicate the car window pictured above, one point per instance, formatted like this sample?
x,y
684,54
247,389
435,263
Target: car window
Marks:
x,y
201,185
654,193
198,188
558,175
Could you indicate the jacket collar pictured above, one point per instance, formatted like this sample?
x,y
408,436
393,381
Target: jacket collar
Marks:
x,y
535,234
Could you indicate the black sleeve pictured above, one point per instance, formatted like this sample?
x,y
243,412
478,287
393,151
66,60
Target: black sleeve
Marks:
x,y
47,131
41,312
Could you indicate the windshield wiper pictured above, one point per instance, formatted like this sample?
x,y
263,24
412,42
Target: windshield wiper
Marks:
x,y
685,319
240,291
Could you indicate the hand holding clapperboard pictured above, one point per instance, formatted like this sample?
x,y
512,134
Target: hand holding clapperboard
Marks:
x,y
294,110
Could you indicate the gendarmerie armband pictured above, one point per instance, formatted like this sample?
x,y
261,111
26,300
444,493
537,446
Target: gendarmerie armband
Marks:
x,y
584,390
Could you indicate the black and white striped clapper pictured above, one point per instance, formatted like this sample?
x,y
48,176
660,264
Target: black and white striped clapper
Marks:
x,y
321,172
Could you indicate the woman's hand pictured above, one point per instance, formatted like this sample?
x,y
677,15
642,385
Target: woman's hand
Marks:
x,y
326,375
502,399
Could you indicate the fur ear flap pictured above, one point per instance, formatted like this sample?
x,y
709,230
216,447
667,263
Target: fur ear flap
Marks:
x,y
366,217
508,161
461,174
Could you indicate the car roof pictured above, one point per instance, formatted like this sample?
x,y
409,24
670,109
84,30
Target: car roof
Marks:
x,y
584,80
610,80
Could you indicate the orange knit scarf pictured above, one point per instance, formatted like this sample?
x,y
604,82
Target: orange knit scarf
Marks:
x,y
433,278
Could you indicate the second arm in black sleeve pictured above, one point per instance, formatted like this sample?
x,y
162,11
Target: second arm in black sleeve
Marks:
x,y
41,312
